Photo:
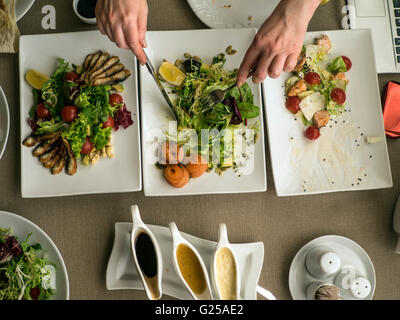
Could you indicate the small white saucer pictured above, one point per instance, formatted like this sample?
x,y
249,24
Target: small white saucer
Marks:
x,y
350,253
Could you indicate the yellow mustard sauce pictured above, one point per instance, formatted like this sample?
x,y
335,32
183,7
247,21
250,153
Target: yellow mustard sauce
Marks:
x,y
190,268
226,274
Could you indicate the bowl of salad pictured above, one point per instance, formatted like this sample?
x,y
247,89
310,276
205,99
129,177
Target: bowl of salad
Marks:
x,y
31,267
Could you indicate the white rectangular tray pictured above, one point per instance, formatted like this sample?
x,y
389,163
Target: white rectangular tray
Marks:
x,y
121,271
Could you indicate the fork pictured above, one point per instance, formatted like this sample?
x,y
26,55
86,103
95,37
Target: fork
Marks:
x,y
218,95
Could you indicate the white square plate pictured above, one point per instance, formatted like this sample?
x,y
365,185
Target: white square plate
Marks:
x,y
205,44
121,174
340,160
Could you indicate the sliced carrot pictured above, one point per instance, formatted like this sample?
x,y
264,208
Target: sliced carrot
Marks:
x,y
196,166
171,153
176,175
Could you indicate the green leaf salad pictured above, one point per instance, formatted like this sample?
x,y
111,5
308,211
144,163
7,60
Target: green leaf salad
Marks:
x,y
25,271
197,80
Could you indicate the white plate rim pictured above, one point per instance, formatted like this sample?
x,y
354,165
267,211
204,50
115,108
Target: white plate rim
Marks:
x,y
7,132
137,129
46,236
21,13
281,193
112,283
262,133
331,238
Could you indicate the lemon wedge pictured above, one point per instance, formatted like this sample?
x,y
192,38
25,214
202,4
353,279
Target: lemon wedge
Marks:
x,y
171,73
36,79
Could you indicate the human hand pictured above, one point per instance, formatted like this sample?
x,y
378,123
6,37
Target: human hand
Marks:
x,y
125,23
279,41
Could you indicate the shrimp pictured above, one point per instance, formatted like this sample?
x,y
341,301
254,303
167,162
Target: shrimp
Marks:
x,y
340,76
324,41
321,118
299,86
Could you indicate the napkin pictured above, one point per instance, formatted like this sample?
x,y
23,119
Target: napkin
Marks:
x,y
391,109
9,32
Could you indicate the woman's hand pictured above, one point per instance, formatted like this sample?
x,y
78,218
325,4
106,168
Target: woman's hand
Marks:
x,y
125,23
279,41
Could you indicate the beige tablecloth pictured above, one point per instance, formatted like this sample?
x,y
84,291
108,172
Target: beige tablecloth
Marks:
x,y
83,226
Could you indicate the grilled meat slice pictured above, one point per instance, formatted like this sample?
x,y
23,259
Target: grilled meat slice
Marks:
x,y
71,164
321,118
107,65
109,72
51,153
86,63
94,60
60,164
31,140
115,78
52,161
100,62
44,146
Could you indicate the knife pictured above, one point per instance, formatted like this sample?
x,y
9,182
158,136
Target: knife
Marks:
x,y
153,73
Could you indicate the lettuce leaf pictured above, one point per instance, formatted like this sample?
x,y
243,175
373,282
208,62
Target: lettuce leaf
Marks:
x,y
337,65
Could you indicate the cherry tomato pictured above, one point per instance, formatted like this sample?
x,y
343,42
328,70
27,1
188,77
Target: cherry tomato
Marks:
x,y
87,146
71,76
41,111
312,133
34,293
312,78
292,104
347,62
109,122
69,113
115,99
338,95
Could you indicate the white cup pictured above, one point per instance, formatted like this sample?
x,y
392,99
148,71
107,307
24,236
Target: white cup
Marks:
x,y
322,261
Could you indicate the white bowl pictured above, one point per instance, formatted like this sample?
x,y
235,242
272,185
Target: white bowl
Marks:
x,y
4,122
86,20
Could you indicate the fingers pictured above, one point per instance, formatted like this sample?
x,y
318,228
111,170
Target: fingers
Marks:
x,y
249,61
276,66
262,67
291,62
132,40
119,38
142,27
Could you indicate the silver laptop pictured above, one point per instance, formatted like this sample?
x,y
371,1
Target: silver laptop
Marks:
x,y
383,18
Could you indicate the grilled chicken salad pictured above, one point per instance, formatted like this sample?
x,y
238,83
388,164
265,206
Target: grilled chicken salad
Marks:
x,y
317,88
193,79
75,111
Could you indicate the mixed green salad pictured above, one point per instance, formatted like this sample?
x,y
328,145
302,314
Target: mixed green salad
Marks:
x,y
194,79
25,272
317,89
76,115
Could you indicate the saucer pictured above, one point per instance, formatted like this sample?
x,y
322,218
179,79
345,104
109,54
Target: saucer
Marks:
x,y
350,253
